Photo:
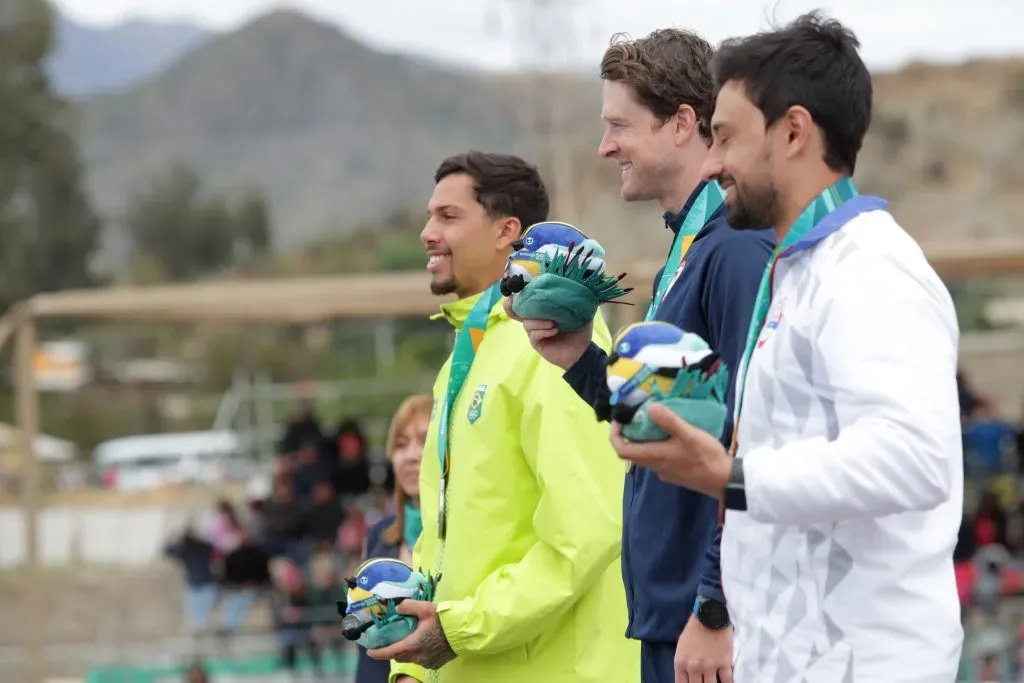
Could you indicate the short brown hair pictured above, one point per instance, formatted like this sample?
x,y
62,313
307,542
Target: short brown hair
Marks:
x,y
666,69
506,186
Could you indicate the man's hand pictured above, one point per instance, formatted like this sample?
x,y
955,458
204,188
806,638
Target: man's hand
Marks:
x,y
426,646
556,347
690,457
702,654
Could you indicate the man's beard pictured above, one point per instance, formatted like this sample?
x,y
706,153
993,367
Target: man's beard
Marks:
x,y
444,287
754,207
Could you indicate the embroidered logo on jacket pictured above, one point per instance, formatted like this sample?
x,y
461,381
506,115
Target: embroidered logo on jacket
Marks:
x,y
770,325
476,404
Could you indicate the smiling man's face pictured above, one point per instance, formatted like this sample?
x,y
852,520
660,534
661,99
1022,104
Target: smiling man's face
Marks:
x,y
637,140
741,159
459,237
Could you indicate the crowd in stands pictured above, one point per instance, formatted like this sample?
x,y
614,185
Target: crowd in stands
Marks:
x,y
291,547
989,556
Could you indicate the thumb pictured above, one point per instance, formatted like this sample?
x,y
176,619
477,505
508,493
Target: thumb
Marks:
x,y
412,608
663,417
507,303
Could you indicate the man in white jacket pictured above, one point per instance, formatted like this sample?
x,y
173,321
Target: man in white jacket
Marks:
x,y
845,494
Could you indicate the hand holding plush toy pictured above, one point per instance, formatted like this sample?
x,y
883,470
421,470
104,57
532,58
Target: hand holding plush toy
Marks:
x,y
656,362
370,616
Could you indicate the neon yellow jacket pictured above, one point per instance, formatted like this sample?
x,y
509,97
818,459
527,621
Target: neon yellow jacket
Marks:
x,y
531,588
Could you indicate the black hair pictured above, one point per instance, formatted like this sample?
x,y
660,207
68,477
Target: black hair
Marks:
x,y
814,63
506,186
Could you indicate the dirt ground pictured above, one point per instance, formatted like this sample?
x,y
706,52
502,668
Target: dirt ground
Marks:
x,y
105,605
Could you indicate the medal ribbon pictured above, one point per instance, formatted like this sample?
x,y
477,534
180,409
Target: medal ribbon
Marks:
x,y
797,239
703,207
467,341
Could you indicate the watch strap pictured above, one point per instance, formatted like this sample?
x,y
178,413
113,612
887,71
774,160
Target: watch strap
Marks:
x,y
735,496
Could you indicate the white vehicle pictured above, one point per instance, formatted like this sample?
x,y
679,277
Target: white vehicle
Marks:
x,y
136,463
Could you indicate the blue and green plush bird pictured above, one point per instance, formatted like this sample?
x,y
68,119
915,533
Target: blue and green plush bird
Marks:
x,y
656,362
379,585
557,273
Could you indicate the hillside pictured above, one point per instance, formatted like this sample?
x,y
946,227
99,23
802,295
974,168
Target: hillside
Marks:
x,y
336,132
340,135
90,60
947,148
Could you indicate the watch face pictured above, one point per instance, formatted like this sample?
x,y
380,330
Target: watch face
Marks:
x,y
713,614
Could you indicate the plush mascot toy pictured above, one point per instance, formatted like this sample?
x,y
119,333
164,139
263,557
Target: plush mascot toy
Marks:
x,y
369,615
557,273
656,362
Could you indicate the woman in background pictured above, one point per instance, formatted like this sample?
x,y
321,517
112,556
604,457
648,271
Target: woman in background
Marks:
x,y
395,536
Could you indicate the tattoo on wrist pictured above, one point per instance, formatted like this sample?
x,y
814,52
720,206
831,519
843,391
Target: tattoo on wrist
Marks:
x,y
436,652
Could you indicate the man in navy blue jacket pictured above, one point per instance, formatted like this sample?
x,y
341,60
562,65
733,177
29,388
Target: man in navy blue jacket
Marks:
x,y
658,102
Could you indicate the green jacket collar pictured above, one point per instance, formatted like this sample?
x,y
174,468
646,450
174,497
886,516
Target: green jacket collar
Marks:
x,y
456,312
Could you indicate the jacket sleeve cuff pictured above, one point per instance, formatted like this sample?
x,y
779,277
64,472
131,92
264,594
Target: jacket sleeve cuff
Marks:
x,y
452,615
413,670
581,372
711,592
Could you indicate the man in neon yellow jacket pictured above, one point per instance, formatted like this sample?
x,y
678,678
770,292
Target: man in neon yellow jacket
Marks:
x,y
527,538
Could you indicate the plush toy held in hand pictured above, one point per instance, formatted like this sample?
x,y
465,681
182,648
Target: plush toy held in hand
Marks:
x,y
656,362
369,615
557,273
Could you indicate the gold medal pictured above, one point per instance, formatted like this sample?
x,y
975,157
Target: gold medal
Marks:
x,y
442,510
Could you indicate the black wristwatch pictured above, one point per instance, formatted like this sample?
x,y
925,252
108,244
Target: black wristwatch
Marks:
x,y
735,497
712,614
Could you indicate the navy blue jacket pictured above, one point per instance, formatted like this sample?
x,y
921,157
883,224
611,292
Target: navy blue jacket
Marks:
x,y
671,535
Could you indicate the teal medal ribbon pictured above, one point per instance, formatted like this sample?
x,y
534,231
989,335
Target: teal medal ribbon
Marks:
x,y
820,219
467,341
412,523
704,206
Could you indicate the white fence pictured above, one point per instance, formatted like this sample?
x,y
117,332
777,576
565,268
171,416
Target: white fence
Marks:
x,y
114,536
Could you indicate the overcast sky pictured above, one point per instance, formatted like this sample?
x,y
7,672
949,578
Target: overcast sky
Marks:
x,y
489,33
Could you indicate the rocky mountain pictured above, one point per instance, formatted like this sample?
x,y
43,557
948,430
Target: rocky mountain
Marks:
x,y
340,134
90,60
336,132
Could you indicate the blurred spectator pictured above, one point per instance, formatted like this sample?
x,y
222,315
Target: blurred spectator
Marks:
x,y
989,439
257,523
989,522
196,558
196,673
326,518
289,602
1020,446
967,397
325,593
396,535
306,471
246,571
225,532
302,429
350,469
284,522
352,537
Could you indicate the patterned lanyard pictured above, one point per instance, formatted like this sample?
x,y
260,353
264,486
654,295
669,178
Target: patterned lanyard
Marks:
x,y
703,207
830,199
467,341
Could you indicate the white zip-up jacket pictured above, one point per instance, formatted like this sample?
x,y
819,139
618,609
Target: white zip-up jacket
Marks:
x,y
841,570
